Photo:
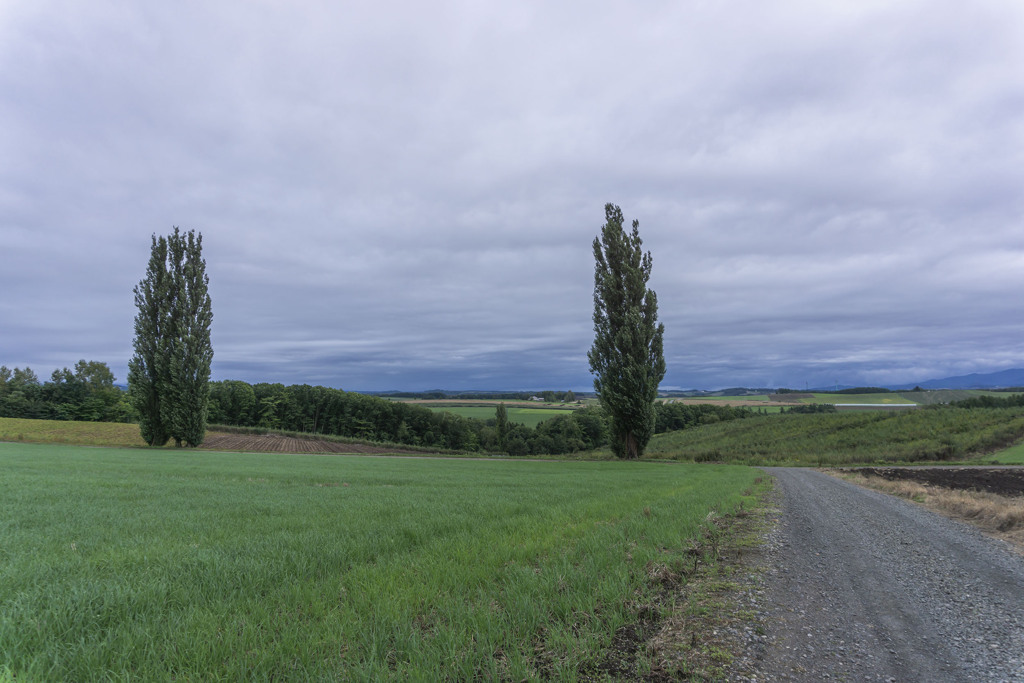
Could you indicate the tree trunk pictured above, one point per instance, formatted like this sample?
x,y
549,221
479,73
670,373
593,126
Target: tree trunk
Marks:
x,y
632,447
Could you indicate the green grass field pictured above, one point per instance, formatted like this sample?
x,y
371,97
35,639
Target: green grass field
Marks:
x,y
718,399
903,398
1014,455
530,417
881,399
120,564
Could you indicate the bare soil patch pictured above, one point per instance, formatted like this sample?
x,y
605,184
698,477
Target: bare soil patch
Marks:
x,y
722,402
276,443
1005,481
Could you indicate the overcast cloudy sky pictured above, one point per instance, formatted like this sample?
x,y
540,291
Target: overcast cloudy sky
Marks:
x,y
403,195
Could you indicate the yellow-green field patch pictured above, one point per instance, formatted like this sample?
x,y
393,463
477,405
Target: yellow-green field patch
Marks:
x,y
530,417
1014,455
80,433
880,399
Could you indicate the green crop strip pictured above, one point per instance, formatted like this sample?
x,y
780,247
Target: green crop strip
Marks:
x,y
916,435
531,417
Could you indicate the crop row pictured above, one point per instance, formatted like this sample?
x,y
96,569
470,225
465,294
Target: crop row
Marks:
x,y
925,434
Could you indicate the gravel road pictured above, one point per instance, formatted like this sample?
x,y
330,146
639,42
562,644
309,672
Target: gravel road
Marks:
x,y
864,587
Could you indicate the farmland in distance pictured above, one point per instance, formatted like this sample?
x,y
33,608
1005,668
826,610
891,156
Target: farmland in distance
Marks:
x,y
529,413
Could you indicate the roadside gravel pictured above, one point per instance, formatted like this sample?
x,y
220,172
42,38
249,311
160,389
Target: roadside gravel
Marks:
x,y
862,586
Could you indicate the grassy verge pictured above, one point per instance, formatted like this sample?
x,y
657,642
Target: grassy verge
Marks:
x,y
133,564
707,636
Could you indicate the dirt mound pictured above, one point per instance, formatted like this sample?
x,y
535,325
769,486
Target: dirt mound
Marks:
x,y
276,443
1004,481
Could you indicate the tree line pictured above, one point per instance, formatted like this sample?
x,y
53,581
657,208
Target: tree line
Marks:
x,y
88,393
85,393
984,401
324,410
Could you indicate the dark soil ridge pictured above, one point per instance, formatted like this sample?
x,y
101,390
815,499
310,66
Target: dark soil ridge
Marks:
x,y
277,443
1005,481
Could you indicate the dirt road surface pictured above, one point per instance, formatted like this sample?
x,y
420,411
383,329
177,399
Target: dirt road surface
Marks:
x,y
868,587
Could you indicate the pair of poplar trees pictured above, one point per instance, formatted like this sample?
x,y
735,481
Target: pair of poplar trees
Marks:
x,y
169,374
168,377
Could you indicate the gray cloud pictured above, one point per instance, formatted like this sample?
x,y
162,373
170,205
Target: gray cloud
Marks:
x,y
403,196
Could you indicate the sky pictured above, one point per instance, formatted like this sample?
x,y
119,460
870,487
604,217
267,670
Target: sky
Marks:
x,y
404,195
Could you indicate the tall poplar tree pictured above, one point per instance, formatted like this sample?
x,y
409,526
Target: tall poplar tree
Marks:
x,y
146,369
627,357
501,425
168,378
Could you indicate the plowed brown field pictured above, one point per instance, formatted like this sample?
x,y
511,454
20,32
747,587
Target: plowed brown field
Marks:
x,y
275,443
1006,481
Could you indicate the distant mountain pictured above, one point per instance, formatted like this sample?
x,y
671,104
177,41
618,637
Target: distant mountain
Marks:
x,y
992,380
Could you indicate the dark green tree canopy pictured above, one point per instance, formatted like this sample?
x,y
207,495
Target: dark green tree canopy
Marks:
x,y
147,369
168,377
87,393
501,424
94,374
627,357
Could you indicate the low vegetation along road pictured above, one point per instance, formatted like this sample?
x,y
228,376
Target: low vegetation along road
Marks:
x,y
866,586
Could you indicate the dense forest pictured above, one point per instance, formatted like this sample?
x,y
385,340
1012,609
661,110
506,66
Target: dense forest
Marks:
x,y
86,393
